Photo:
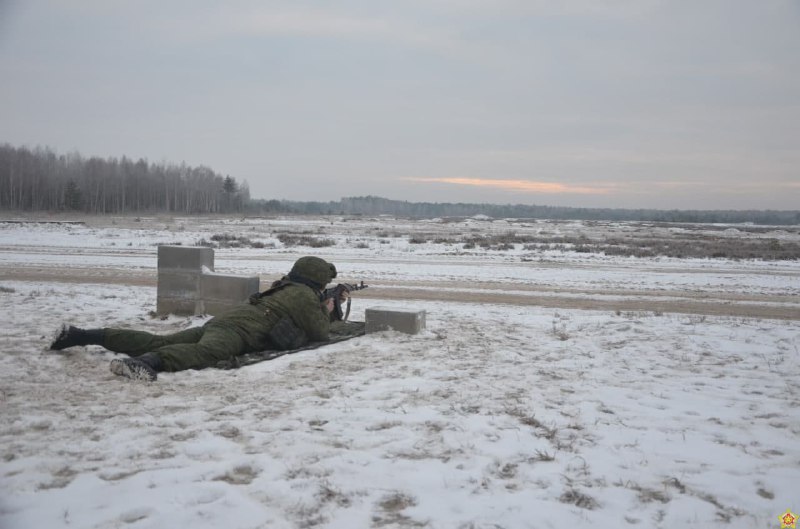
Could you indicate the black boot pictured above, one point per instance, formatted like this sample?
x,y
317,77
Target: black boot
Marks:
x,y
144,367
69,336
153,360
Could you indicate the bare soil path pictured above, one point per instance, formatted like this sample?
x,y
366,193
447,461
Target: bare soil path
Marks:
x,y
678,301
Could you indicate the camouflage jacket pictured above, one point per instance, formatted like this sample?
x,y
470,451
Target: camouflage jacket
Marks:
x,y
300,303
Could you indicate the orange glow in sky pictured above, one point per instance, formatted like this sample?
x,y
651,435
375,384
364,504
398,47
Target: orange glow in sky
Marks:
x,y
520,185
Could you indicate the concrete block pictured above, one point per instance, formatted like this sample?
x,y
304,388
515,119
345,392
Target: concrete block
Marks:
x,y
380,319
185,258
181,307
179,271
220,292
187,284
177,293
180,285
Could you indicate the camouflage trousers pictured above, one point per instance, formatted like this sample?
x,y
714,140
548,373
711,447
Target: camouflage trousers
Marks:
x,y
238,331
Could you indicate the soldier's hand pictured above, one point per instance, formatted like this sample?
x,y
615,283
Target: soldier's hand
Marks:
x,y
328,304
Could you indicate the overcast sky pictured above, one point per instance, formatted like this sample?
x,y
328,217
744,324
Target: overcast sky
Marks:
x,y
600,103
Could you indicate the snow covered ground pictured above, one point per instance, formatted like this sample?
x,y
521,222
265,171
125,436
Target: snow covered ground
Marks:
x,y
498,415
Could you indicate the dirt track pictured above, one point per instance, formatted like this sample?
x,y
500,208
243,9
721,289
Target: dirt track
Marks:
x,y
682,302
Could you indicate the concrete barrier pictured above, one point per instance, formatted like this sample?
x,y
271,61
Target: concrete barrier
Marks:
x,y
380,319
220,292
187,284
179,270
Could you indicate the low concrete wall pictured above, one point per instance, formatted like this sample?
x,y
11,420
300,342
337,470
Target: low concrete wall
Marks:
x,y
220,292
179,270
187,284
409,322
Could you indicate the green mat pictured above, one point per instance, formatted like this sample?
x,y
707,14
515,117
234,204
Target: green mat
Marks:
x,y
340,331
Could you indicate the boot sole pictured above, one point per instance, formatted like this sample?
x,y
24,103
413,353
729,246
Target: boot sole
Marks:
x,y
133,370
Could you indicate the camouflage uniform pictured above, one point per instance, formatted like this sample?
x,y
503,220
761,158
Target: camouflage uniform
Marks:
x,y
243,329
292,306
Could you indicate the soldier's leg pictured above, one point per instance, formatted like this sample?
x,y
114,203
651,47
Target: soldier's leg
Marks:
x,y
217,343
121,340
135,343
241,330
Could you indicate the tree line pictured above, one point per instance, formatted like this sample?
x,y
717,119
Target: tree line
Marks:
x,y
41,180
372,205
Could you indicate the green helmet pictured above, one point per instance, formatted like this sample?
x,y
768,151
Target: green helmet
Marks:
x,y
313,269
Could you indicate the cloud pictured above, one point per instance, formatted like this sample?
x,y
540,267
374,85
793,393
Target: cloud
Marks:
x,y
526,186
544,8
268,21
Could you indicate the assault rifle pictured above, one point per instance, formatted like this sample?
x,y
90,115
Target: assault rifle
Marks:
x,y
336,293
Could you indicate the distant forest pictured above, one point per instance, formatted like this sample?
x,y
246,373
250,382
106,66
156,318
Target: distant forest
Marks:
x,y
41,180
371,205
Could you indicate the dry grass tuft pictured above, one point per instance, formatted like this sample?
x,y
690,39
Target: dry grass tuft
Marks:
x,y
241,475
578,499
391,515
